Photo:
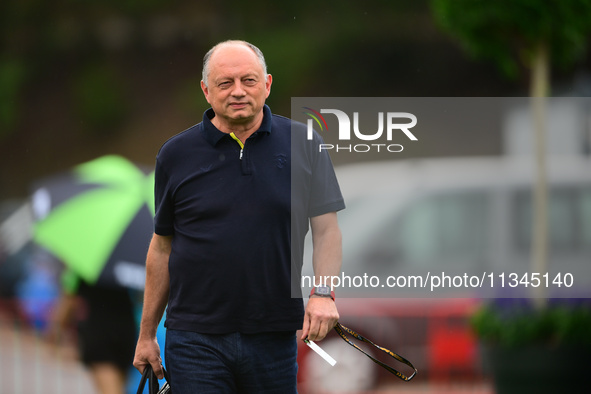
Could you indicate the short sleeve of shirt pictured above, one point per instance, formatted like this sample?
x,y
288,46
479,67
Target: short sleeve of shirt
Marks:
x,y
163,199
325,193
315,189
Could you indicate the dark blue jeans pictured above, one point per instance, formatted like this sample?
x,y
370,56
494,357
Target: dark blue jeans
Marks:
x,y
231,363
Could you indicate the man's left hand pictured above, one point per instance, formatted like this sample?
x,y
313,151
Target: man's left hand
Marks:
x,y
321,316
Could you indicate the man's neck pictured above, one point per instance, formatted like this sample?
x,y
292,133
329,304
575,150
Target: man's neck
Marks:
x,y
240,130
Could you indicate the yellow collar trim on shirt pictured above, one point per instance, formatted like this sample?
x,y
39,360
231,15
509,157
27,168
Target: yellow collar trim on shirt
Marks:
x,y
237,140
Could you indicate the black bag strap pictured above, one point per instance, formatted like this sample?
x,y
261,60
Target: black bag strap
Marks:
x,y
340,329
150,378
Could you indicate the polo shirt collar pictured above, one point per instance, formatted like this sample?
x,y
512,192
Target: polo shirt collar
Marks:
x,y
213,135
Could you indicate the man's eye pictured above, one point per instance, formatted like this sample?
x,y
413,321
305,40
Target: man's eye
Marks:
x,y
250,82
224,84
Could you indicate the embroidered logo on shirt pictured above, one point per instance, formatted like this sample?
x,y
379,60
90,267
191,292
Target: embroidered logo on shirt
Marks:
x,y
280,160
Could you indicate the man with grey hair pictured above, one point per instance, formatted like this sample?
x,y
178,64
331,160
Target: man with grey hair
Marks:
x,y
234,197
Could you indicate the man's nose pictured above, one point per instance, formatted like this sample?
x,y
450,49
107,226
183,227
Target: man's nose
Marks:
x,y
238,90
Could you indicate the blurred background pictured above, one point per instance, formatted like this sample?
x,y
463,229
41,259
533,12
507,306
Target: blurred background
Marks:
x,y
83,80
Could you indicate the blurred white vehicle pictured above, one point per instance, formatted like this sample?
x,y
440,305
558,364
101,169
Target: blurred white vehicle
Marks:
x,y
456,216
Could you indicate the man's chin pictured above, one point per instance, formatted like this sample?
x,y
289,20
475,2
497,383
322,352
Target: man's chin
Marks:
x,y
241,116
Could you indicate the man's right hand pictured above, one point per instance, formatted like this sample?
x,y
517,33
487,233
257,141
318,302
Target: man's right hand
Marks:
x,y
147,352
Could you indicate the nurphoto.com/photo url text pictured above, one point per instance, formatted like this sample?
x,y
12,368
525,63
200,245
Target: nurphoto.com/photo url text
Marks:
x,y
432,282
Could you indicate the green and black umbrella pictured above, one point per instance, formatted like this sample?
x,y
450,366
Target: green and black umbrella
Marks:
x,y
98,220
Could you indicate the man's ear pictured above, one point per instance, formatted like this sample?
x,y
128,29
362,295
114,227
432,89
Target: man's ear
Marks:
x,y
205,90
268,82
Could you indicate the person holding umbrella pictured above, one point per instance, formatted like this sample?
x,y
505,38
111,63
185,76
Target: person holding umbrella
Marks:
x,y
235,195
95,220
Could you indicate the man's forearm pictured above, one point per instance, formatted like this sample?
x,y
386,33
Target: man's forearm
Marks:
x,y
327,246
157,286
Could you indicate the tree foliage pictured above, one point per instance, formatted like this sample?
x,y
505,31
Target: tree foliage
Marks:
x,y
508,31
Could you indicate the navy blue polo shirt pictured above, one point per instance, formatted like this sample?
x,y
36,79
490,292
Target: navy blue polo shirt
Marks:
x,y
228,207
